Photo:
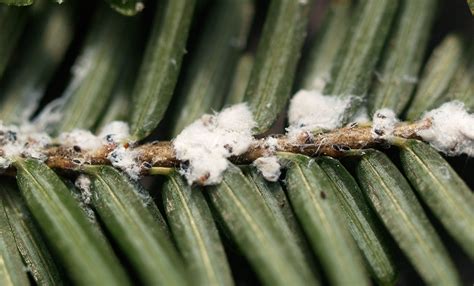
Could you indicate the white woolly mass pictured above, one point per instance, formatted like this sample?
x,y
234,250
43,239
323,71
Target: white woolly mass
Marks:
x,y
311,110
452,129
115,131
21,141
126,159
83,183
209,141
383,123
269,167
25,141
85,139
121,157
272,144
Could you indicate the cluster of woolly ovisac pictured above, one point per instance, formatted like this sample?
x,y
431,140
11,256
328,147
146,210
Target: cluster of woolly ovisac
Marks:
x,y
25,141
116,133
452,129
21,141
310,110
204,146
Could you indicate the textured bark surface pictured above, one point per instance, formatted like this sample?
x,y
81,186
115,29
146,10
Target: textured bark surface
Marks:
x,y
336,143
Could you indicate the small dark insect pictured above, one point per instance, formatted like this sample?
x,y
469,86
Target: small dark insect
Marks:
x,y
323,195
184,165
379,132
113,155
77,148
228,148
146,165
77,161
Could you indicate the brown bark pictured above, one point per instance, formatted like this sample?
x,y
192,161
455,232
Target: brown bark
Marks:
x,y
335,143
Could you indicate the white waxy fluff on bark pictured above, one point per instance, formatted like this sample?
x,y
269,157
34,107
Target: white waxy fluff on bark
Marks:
x,y
452,129
383,123
206,144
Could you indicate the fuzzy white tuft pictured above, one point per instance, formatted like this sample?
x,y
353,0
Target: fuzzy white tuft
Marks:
x,y
21,141
452,129
209,141
384,122
82,138
115,131
269,167
115,134
126,160
83,183
311,110
271,143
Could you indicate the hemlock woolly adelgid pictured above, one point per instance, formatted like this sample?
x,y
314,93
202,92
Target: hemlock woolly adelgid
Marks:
x,y
272,144
452,129
310,110
84,139
26,141
116,131
383,123
122,157
269,167
206,144
126,160
20,141
83,183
